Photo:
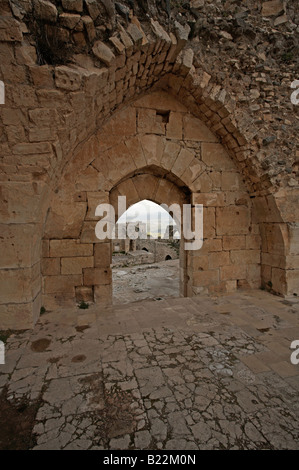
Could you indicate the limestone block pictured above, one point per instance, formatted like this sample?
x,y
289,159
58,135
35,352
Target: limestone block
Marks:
x,y
45,248
45,10
94,198
19,202
205,278
19,285
278,280
88,234
274,260
174,128
122,123
182,162
235,242
50,266
153,147
65,219
215,156
184,62
42,134
103,294
254,275
20,316
93,8
160,100
26,54
265,210
97,276
102,255
89,27
171,56
73,5
44,117
238,198
127,188
61,284
194,129
103,53
217,259
19,245
182,34
135,21
193,172
170,153
165,192
232,220
126,40
84,294
233,272
148,122
273,8
211,245
203,183
67,78
277,238
159,32
118,45
15,134
135,34
89,179
240,257
294,239
119,163
253,242
209,222
136,151
75,265
71,21
10,29
292,279
64,248
200,263
32,148
231,181
58,300
146,186
213,199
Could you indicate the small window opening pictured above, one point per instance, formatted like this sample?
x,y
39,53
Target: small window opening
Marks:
x,y
162,116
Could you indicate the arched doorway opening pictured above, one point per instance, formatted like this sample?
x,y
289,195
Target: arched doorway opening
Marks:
x,y
141,272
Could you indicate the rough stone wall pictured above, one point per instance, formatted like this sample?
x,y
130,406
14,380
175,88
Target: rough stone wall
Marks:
x,y
164,154
160,249
52,122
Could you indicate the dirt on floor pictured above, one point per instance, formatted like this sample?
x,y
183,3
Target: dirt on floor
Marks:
x,y
148,281
17,422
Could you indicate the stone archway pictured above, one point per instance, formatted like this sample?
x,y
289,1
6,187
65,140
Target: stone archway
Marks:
x,y
151,183
153,149
54,173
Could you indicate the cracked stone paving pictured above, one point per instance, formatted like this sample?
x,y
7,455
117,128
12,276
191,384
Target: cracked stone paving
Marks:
x,y
184,374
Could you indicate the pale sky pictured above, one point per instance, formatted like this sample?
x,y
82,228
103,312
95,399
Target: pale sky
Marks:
x,y
141,211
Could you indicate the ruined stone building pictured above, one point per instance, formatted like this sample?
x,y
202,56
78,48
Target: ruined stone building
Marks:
x,y
170,101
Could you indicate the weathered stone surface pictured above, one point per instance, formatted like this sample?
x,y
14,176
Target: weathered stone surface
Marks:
x,y
135,34
45,10
103,53
73,5
67,78
10,29
273,8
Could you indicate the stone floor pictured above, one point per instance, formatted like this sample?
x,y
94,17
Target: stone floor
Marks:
x,y
178,374
148,281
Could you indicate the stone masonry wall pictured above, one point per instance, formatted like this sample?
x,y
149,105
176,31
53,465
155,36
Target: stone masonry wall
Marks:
x,y
54,152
